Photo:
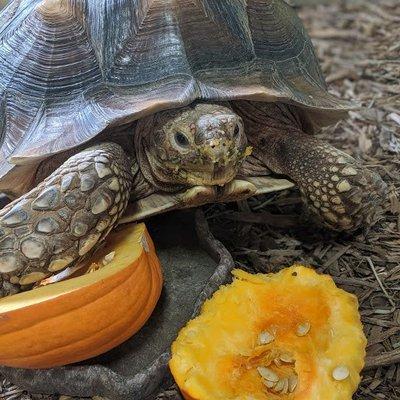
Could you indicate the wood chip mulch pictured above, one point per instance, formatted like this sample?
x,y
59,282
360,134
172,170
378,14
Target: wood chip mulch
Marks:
x,y
358,43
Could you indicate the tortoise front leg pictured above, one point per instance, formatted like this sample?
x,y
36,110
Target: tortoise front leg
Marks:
x,y
339,190
63,218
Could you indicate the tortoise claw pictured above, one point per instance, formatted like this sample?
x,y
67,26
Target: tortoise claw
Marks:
x,y
233,191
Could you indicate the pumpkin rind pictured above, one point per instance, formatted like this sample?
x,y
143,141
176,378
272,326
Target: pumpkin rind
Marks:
x,y
217,354
85,316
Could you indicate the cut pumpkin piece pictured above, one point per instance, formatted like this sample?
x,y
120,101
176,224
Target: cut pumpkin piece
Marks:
x,y
291,335
82,317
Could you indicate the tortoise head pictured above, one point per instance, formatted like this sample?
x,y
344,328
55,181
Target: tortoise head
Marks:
x,y
203,144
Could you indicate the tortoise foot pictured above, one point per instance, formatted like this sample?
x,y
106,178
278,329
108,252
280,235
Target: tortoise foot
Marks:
x,y
343,193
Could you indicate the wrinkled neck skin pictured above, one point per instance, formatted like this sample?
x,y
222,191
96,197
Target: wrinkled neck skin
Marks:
x,y
265,125
126,136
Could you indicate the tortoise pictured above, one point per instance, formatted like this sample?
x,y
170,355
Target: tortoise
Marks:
x,y
114,110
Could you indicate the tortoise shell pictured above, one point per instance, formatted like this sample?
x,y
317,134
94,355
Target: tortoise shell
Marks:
x,y
71,68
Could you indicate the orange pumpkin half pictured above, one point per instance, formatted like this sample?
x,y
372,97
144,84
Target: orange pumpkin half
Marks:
x,y
292,336
82,317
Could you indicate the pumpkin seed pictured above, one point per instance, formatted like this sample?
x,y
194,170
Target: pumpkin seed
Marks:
x,y
293,380
108,258
277,362
279,386
268,374
303,329
145,244
268,384
265,337
286,358
340,373
285,388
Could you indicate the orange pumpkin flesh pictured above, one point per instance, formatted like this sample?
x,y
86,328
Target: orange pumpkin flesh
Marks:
x,y
85,316
297,324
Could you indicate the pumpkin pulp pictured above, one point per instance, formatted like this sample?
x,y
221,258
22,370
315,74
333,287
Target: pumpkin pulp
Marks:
x,y
278,336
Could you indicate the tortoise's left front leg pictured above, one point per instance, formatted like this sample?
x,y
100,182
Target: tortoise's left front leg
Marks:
x,y
339,190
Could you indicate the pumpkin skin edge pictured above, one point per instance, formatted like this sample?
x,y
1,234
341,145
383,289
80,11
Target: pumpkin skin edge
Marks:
x,y
83,322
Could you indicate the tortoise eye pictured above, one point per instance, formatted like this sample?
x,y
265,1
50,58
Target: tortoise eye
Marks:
x,y
181,139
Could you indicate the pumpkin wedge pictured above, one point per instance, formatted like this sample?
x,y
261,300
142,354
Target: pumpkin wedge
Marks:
x,y
287,336
85,316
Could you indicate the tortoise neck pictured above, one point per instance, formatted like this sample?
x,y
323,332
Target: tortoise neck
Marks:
x,y
267,126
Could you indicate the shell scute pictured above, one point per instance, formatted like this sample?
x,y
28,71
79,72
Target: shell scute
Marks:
x,y
71,68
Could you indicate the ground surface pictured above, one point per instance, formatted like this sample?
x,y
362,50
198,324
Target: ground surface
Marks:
x,y
358,43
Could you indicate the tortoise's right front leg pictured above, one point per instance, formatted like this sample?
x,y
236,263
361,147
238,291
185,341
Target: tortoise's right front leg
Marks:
x,y
64,217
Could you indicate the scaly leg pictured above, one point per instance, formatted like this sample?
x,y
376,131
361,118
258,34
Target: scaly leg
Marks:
x,y
339,190
63,218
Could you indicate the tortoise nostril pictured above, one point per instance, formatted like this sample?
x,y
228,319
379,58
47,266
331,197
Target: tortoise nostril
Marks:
x,y
236,131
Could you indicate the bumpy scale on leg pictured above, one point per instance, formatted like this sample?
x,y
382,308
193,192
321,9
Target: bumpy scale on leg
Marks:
x,y
64,217
339,190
